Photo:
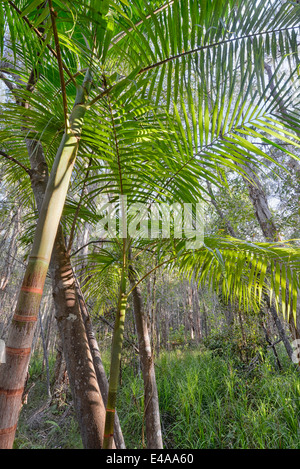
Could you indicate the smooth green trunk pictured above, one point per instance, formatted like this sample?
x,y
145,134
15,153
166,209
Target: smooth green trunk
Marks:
x,y
117,344
18,347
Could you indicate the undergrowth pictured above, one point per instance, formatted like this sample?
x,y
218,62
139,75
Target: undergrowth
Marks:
x,y
206,401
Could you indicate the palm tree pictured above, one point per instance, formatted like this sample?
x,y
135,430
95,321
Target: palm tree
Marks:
x,y
157,132
40,257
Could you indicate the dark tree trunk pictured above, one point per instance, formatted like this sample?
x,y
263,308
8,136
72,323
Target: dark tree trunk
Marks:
x,y
190,311
151,404
88,403
98,365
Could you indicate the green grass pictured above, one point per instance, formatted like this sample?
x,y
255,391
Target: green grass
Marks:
x,y
205,402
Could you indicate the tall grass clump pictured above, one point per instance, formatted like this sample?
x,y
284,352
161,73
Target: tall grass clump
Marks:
x,y
206,402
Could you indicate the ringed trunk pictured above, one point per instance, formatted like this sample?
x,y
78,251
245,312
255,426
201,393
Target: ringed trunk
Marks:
x,y
117,344
18,347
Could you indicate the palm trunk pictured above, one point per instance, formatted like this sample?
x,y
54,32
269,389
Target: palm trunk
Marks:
x,y
91,414
60,374
117,344
98,365
151,403
18,347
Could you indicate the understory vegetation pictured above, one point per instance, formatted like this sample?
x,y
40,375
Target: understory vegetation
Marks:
x,y
209,399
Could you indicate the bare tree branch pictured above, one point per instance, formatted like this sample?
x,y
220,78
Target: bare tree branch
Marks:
x,y
11,158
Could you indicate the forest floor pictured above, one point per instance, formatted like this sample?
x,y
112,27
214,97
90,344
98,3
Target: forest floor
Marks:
x,y
207,400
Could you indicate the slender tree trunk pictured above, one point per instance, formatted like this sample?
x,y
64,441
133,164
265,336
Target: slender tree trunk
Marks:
x,y
91,415
265,220
89,406
50,333
157,328
229,315
260,204
8,266
45,353
281,330
190,311
98,365
269,341
198,316
261,207
151,403
204,318
116,350
153,314
224,219
18,347
246,358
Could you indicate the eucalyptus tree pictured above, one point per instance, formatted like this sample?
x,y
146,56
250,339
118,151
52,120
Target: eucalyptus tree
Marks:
x,y
153,137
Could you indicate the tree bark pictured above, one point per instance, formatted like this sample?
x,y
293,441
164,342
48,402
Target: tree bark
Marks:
x,y
281,330
64,287
98,365
115,364
88,404
19,342
264,217
151,403
199,333
204,325
260,203
190,311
